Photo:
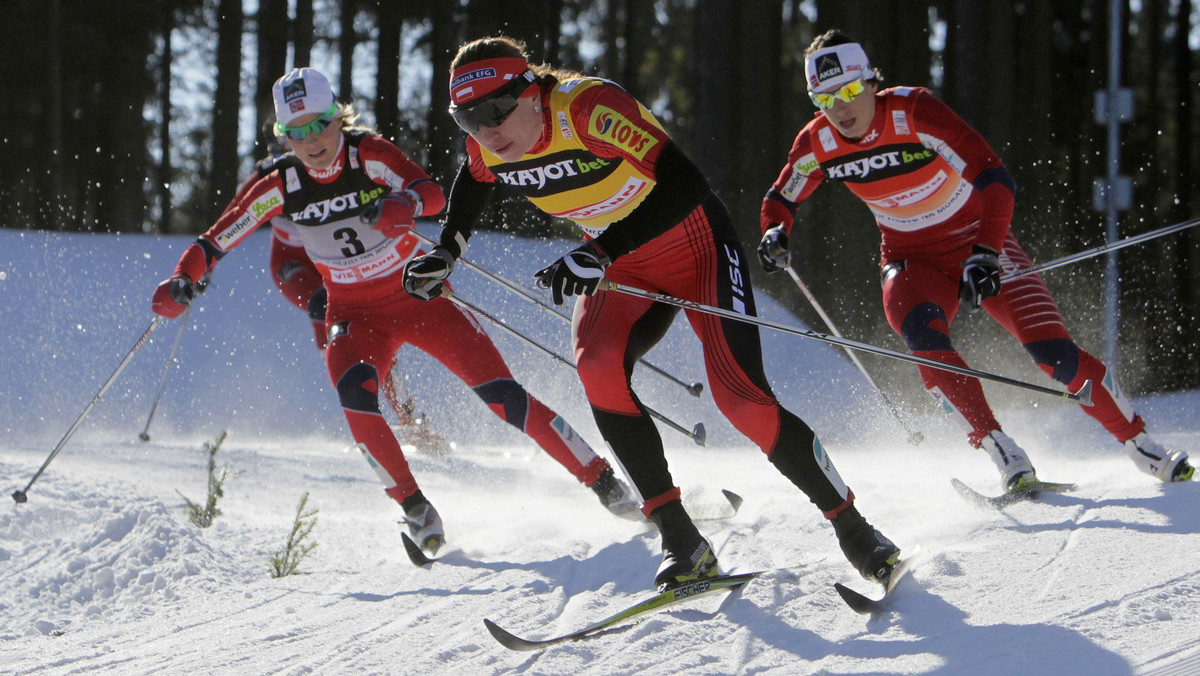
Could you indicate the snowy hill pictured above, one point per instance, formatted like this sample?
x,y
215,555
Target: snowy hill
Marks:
x,y
102,572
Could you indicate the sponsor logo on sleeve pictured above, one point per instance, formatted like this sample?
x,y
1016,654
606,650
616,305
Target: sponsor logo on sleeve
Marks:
x,y
608,124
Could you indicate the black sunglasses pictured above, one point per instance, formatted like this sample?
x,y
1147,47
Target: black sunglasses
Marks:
x,y
494,109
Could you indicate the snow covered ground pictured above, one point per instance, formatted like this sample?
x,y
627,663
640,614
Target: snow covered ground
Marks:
x,y
100,571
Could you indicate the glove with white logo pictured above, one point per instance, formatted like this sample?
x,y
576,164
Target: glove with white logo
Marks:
x,y
424,274
391,215
773,249
980,277
577,273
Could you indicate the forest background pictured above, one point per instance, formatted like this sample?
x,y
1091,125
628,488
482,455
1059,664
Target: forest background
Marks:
x,y
142,116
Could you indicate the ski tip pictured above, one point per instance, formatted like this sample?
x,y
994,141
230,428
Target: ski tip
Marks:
x,y
508,640
857,602
415,554
733,498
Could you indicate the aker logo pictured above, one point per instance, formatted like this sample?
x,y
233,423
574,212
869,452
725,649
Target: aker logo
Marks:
x,y
615,128
828,66
294,90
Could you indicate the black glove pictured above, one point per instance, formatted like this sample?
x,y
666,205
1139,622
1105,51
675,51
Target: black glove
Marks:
x,y
773,249
577,273
980,277
317,303
424,274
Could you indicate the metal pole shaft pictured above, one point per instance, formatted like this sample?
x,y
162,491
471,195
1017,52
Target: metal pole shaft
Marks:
x,y
1105,248
162,383
914,436
697,435
20,496
1083,396
693,389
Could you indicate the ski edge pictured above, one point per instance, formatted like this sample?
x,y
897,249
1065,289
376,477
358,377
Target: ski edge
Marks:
x,y
1005,499
660,600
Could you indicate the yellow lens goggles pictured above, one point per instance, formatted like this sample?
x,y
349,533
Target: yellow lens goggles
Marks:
x,y
847,92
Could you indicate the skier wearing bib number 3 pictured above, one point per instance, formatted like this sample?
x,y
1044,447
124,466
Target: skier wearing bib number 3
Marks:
x,y
353,197
943,201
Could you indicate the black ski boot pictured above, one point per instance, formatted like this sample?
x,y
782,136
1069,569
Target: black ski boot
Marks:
x,y
865,547
615,496
687,556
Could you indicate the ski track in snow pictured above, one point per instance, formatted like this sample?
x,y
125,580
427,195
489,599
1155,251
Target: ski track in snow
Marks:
x,y
101,572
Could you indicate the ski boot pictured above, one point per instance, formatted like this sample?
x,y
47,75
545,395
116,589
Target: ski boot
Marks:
x,y
615,497
687,555
1163,464
424,523
872,555
1010,459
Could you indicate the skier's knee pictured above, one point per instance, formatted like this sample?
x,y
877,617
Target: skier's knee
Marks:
x,y
1059,358
358,388
507,398
925,329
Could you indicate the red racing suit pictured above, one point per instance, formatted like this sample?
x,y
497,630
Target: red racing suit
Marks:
x,y
936,188
606,163
369,316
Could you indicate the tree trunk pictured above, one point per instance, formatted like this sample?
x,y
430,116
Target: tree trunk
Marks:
x,y
272,26
387,70
226,104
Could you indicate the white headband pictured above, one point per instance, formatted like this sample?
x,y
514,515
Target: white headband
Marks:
x,y
832,67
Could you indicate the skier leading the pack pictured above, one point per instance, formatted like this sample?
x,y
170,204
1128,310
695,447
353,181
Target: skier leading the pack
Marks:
x,y
582,148
353,197
943,202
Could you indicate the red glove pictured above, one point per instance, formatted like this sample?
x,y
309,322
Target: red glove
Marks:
x,y
172,296
392,215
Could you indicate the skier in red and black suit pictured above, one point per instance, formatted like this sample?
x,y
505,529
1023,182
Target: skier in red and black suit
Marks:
x,y
353,197
583,149
943,201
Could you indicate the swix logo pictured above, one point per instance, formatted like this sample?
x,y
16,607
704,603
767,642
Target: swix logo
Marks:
x,y
736,279
321,211
615,128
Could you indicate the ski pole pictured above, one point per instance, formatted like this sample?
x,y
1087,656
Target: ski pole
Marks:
x,y
693,389
697,433
162,384
20,495
1083,396
1105,248
914,436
